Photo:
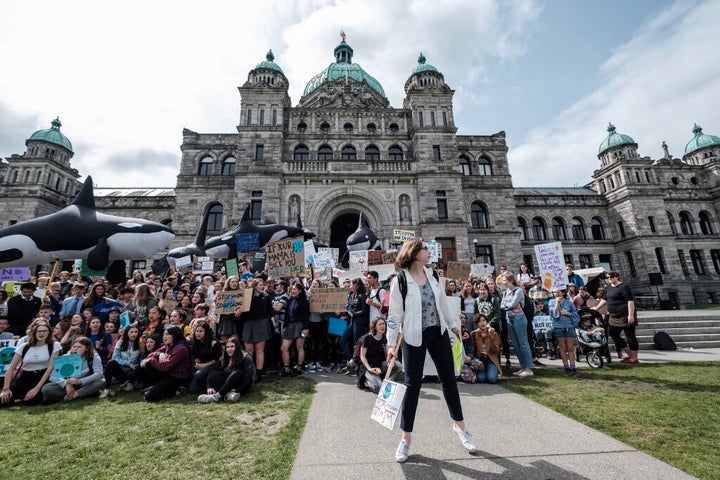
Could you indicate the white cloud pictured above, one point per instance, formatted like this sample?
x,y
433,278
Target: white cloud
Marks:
x,y
656,86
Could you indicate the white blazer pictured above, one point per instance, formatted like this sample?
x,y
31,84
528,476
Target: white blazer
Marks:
x,y
409,320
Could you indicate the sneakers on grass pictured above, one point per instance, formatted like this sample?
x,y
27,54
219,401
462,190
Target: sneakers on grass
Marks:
x,y
207,398
402,452
104,393
465,438
232,397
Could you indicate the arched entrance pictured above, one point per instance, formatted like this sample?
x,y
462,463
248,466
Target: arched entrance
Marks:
x,y
340,229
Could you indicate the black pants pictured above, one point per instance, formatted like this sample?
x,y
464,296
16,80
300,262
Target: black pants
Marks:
x,y
438,346
114,370
163,385
629,334
22,385
239,380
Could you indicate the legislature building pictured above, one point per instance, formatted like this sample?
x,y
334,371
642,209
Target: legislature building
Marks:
x,y
343,150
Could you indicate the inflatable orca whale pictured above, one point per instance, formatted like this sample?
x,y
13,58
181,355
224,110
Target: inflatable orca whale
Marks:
x,y
191,249
363,238
223,246
79,231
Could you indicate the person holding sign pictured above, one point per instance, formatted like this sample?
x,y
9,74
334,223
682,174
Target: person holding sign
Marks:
x,y
256,325
423,316
297,324
35,358
565,318
87,383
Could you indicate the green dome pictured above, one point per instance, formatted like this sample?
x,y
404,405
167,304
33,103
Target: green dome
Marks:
x,y
269,63
423,67
52,135
614,140
343,68
700,140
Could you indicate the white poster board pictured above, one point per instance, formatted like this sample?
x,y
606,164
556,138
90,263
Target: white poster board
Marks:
x,y
552,265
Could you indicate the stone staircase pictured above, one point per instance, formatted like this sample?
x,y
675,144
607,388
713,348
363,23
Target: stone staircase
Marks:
x,y
688,328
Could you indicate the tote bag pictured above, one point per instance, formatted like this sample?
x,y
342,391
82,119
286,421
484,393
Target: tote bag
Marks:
x,y
389,400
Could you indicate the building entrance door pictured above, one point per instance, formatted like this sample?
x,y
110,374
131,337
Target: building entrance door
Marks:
x,y
340,229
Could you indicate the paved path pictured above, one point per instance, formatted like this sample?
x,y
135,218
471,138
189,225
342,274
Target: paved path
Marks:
x,y
528,440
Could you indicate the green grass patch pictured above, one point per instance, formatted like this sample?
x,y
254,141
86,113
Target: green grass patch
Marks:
x,y
670,411
125,437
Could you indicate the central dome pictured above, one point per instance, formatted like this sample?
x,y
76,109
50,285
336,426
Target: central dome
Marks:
x,y
343,68
52,135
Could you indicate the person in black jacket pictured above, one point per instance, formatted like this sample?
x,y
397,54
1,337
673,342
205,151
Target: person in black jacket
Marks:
x,y
297,325
22,309
256,327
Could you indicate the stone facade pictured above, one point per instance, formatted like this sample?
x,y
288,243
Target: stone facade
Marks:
x,y
343,151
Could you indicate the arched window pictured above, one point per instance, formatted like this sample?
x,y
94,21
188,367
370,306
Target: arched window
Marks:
x,y
465,165
228,166
578,228
348,127
522,228
478,215
325,127
538,226
302,127
206,166
395,153
558,226
598,231
394,128
215,218
484,166
686,224
348,153
325,152
372,153
301,152
706,223
671,220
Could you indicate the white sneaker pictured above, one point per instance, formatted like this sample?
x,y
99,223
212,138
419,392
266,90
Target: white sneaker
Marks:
x,y
517,373
104,393
232,397
206,399
129,387
402,452
525,373
465,438
318,367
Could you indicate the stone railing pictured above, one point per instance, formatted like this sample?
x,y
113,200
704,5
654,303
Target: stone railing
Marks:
x,y
349,166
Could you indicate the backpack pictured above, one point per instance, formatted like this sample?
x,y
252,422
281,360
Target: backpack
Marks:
x,y
663,341
385,306
356,349
402,284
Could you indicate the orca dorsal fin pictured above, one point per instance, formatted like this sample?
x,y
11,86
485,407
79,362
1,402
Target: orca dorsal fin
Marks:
x,y
299,222
362,222
246,215
202,231
85,197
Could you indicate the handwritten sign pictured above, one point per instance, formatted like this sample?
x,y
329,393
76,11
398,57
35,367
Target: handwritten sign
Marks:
x,y
542,322
359,260
66,366
309,249
457,270
328,300
435,251
481,270
231,268
203,265
285,258
552,265
14,273
389,257
7,352
334,252
375,257
258,261
403,235
323,260
227,302
247,242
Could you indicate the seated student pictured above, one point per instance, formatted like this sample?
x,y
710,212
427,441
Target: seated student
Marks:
x,y
200,316
77,329
101,341
543,329
486,342
233,377
36,357
4,325
373,355
590,333
206,353
125,358
178,317
154,325
88,383
167,368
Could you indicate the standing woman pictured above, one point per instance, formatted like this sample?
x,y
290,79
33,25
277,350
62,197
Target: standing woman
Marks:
x,y
503,325
256,325
99,304
358,309
297,324
525,275
565,317
621,306
424,318
36,358
467,297
229,326
512,304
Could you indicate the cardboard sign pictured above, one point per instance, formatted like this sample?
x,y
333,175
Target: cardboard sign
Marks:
x,y
66,366
19,274
328,300
481,270
7,352
402,236
543,322
375,257
203,265
247,242
458,270
388,403
359,260
227,302
389,257
552,265
285,258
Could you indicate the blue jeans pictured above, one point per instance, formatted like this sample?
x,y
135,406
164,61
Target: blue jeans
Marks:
x,y
350,337
517,328
489,374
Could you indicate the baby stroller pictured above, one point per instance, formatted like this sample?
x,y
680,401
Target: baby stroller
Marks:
x,y
594,349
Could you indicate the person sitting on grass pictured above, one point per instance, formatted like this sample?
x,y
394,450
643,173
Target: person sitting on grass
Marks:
x,y
373,355
207,353
486,351
125,358
101,341
88,383
168,368
233,377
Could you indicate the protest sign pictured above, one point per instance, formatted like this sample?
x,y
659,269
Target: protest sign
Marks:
x,y
285,258
375,257
19,274
227,302
259,261
388,402
348,274
124,319
389,257
457,270
334,253
66,366
359,260
309,249
7,352
402,236
481,270
203,265
231,268
322,260
328,300
337,326
247,242
552,265
435,251
384,271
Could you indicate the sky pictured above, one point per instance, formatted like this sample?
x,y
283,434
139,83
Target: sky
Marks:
x,y
126,78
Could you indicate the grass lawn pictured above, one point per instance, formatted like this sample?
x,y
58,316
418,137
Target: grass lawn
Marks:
x,y
125,437
670,411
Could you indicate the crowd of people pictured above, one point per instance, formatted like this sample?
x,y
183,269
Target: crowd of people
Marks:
x,y
161,335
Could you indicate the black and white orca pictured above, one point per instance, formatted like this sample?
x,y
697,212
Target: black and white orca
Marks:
x,y
191,249
363,238
79,231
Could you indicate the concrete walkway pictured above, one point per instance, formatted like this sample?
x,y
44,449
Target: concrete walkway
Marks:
x,y
518,438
